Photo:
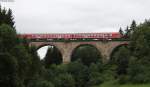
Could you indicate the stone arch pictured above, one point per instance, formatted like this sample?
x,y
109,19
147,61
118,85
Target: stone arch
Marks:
x,y
62,47
115,49
76,45
38,45
47,44
66,49
80,45
55,47
41,44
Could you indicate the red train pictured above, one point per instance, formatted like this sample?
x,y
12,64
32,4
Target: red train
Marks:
x,y
113,35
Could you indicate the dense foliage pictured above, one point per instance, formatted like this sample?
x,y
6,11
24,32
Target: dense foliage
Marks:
x,y
136,57
6,17
53,56
18,64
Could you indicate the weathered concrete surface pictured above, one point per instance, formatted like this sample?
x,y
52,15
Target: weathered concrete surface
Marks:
x,y
67,48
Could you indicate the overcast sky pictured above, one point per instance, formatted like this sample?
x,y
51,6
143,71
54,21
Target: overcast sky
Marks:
x,y
61,16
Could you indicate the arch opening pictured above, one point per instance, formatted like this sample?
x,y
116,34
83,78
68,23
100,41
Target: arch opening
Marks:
x,y
87,54
117,49
49,54
120,58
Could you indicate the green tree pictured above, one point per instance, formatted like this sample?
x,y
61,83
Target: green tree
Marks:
x,y
127,32
140,43
138,71
95,75
80,73
6,17
8,37
133,27
121,31
35,65
121,59
10,19
140,60
8,71
41,83
53,56
24,63
64,80
18,64
87,54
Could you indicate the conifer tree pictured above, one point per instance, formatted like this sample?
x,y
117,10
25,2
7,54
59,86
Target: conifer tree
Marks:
x,y
0,15
6,17
133,26
8,71
53,56
121,31
127,32
10,18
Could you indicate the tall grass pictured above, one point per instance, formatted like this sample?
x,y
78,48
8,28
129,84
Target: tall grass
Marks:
x,y
114,84
139,85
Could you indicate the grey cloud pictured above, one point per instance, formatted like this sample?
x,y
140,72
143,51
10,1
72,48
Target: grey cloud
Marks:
x,y
56,16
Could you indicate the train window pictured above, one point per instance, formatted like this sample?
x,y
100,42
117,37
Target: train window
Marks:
x,y
110,34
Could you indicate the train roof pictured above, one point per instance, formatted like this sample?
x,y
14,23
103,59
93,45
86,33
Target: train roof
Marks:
x,y
70,33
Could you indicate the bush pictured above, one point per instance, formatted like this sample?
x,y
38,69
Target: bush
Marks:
x,y
41,83
95,76
8,71
64,80
80,73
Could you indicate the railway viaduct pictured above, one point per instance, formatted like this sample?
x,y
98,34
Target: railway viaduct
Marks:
x,y
67,48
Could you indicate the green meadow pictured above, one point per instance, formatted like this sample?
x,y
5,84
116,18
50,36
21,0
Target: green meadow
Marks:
x,y
126,85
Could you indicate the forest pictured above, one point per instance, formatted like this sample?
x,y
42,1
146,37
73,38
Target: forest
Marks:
x,y
20,65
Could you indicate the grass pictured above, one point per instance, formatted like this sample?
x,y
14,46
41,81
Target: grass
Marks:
x,y
112,84
141,85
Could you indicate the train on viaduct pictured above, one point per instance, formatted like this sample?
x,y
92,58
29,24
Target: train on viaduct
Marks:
x,y
66,43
